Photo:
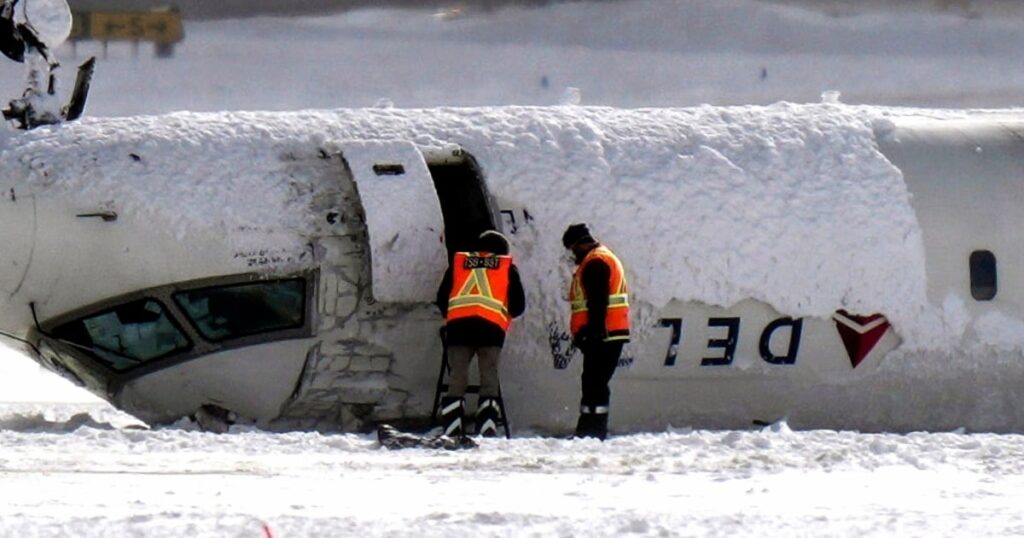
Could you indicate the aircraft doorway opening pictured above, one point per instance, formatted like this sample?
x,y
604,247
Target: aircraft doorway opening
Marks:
x,y
465,203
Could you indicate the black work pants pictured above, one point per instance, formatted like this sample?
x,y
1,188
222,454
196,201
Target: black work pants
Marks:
x,y
599,362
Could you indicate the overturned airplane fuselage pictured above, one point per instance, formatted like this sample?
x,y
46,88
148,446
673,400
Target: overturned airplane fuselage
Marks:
x,y
845,267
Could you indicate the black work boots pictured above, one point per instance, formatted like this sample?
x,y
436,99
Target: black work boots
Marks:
x,y
453,408
488,416
593,422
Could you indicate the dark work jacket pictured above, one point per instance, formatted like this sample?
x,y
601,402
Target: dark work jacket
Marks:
x,y
478,332
595,285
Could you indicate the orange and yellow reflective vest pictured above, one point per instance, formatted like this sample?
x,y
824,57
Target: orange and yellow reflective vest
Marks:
x,y
480,287
616,320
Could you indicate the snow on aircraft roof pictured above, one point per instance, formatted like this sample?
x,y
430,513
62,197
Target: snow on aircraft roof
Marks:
x,y
792,205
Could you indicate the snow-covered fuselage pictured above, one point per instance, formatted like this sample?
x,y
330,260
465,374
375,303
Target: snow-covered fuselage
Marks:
x,y
845,267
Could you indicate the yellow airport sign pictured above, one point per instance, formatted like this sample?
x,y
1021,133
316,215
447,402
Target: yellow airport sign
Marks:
x,y
161,27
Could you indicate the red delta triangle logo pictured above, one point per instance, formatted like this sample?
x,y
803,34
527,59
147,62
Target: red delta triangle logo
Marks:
x,y
860,334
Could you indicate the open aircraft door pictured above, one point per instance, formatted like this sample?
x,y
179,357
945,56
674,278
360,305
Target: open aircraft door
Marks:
x,y
403,219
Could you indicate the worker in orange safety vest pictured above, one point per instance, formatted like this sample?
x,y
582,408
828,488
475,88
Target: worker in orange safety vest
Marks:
x,y
599,323
480,294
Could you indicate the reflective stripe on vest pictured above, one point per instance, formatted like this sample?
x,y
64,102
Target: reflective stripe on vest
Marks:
x,y
480,287
616,320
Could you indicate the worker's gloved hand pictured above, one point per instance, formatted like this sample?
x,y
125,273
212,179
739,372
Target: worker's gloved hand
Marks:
x,y
589,336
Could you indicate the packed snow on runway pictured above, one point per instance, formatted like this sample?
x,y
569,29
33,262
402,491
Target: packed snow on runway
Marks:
x,y
72,466
84,470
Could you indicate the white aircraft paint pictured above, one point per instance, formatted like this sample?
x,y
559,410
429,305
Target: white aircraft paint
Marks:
x,y
772,237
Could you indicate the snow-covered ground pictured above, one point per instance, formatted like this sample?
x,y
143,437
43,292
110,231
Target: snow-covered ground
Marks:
x,y
67,474
79,468
22,380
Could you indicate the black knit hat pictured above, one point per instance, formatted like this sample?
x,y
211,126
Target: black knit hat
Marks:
x,y
575,234
492,241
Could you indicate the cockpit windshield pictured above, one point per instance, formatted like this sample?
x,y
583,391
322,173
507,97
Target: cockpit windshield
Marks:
x,y
170,324
223,312
127,335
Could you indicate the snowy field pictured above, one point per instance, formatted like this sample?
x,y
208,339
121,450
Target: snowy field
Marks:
x,y
76,467
95,475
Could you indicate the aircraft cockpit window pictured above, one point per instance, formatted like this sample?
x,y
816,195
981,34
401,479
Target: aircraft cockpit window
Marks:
x,y
983,275
127,335
224,312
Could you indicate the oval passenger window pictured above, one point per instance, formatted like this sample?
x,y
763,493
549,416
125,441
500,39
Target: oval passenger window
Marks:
x,y
983,275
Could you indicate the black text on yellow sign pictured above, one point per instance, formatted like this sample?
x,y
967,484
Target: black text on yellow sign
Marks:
x,y
157,27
